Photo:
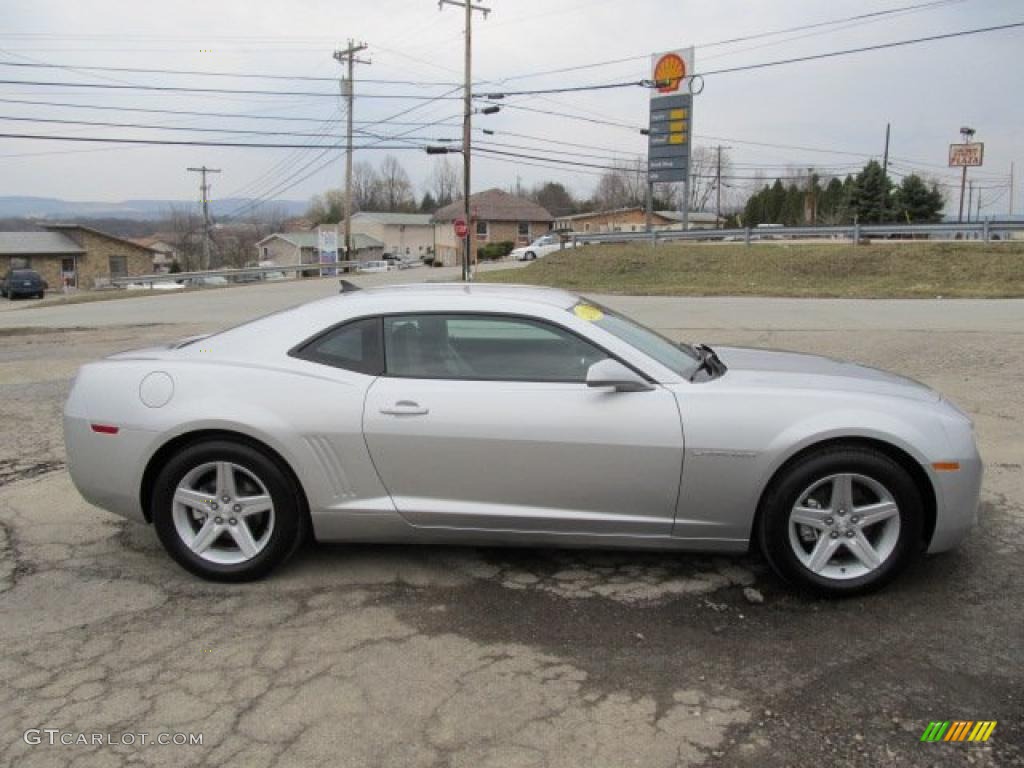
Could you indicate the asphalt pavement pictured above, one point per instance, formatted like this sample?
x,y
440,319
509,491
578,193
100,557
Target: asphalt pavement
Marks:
x,y
497,658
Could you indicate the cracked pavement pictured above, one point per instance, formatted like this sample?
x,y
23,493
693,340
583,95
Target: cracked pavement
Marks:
x,y
404,656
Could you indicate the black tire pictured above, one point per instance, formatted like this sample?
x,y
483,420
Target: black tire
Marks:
x,y
782,495
290,516
531,256
41,295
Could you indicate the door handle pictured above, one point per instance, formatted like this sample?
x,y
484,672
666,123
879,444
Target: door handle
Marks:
x,y
405,408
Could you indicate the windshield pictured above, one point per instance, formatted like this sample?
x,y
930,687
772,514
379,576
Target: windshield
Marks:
x,y
677,357
546,240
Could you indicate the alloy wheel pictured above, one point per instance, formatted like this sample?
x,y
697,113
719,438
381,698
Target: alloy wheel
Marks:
x,y
844,526
223,513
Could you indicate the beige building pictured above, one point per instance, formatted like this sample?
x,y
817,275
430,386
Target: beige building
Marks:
x,y
164,254
615,220
496,217
289,248
73,255
632,220
403,234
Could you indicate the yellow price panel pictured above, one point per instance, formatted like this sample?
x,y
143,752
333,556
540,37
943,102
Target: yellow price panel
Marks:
x,y
679,127
677,138
677,114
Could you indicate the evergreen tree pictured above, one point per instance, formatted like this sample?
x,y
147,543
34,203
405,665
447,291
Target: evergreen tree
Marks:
x,y
869,196
915,203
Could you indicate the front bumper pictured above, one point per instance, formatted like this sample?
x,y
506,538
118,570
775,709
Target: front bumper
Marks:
x,y
957,495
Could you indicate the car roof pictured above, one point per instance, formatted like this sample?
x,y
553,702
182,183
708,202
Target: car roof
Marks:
x,y
453,293
284,329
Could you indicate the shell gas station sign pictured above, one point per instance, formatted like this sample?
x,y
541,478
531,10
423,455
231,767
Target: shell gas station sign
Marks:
x,y
668,148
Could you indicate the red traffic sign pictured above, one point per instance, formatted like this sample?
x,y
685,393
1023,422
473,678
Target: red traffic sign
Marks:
x,y
461,230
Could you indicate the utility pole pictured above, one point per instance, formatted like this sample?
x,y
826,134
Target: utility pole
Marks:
x,y
885,176
718,188
467,129
970,199
1011,188
348,57
977,216
204,191
966,134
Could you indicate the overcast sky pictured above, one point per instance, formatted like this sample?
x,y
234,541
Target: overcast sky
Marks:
x,y
925,91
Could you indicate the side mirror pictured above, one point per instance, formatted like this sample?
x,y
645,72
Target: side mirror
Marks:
x,y
612,373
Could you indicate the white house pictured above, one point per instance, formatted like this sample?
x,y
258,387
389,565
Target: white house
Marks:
x,y
403,234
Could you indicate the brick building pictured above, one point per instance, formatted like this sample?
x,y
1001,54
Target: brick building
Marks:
x,y
70,253
496,216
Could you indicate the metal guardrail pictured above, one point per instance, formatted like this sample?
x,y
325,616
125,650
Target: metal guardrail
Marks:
x,y
163,277
855,232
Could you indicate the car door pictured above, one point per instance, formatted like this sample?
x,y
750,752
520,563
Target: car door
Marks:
x,y
485,422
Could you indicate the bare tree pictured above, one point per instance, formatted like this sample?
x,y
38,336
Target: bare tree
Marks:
x,y
623,186
366,188
395,186
186,227
445,182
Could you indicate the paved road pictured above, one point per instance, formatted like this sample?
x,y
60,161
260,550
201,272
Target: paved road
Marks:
x,y
393,656
236,304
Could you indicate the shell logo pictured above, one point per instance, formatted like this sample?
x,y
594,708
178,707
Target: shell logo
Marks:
x,y
672,69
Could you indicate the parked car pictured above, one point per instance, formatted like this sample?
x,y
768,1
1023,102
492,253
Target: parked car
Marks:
x,y
542,246
22,282
156,285
207,281
485,414
374,266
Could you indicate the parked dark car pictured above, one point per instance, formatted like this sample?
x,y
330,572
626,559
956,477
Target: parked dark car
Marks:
x,y
22,282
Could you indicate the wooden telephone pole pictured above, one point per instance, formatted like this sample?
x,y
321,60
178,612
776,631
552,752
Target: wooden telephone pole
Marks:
x,y
204,191
348,56
467,129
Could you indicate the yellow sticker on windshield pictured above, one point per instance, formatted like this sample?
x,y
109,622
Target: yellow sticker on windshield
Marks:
x,y
587,312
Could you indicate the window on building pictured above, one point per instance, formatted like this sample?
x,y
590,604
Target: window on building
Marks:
x,y
485,347
586,227
523,229
481,230
266,252
118,266
354,346
20,262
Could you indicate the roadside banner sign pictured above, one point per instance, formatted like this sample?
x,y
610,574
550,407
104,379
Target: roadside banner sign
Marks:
x,y
966,155
461,230
328,247
671,116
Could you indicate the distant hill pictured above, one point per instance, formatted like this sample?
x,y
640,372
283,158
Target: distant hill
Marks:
x,y
55,208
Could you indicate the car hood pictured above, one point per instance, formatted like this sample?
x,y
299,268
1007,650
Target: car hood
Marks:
x,y
795,370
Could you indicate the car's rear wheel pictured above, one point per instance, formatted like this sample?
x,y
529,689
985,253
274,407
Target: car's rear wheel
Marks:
x,y
226,511
531,256
841,521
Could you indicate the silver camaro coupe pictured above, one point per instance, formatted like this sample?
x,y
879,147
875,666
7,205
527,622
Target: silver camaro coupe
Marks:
x,y
493,415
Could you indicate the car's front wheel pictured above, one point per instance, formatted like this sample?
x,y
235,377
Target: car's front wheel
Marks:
x,y
841,521
227,511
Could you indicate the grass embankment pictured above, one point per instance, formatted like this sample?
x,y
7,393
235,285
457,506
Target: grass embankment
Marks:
x,y
882,270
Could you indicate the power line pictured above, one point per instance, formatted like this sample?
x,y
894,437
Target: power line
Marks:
x,y
232,115
728,41
862,49
206,73
169,142
183,89
246,131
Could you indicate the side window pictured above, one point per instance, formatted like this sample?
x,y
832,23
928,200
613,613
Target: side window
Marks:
x,y
485,347
118,266
354,346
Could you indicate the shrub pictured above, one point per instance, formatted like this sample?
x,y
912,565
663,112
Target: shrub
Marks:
x,y
495,251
